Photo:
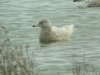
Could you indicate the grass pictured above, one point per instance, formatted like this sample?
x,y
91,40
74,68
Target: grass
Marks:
x,y
15,60
84,68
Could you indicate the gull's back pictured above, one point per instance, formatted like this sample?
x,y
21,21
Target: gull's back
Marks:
x,y
62,33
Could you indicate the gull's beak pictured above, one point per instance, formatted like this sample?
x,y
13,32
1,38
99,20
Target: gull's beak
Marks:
x,y
34,26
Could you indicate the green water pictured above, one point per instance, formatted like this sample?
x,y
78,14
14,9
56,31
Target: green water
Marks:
x,y
55,58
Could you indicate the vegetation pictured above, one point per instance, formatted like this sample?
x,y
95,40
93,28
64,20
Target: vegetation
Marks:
x,y
83,67
14,60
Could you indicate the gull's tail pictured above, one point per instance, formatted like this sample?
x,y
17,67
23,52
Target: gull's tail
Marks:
x,y
71,28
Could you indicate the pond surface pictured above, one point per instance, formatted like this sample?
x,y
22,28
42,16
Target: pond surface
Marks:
x,y
55,58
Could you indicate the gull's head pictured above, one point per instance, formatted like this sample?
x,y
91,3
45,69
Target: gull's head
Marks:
x,y
43,24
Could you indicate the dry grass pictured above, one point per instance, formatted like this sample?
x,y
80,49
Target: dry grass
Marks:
x,y
84,68
14,60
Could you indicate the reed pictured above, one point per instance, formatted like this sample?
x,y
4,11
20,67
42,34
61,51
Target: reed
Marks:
x,y
15,60
84,67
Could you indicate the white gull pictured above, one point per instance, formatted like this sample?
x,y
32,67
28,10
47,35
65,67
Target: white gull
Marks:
x,y
50,33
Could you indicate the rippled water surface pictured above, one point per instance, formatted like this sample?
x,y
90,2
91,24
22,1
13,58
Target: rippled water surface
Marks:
x,y
55,58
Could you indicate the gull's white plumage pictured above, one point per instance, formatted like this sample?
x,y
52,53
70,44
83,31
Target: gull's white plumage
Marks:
x,y
50,33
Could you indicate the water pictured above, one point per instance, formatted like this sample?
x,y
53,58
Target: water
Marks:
x,y
55,58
